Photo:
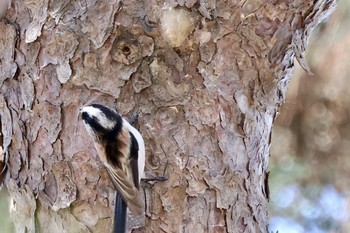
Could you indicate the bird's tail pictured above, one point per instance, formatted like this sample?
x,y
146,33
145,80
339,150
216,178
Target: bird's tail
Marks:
x,y
119,215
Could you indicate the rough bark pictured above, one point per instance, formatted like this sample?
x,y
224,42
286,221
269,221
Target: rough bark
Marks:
x,y
207,79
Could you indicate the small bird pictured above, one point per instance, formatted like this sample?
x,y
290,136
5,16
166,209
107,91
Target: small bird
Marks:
x,y
122,150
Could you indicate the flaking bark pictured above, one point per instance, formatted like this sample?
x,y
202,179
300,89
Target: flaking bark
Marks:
x,y
207,94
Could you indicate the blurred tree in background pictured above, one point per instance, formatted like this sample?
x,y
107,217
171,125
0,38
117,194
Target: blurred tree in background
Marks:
x,y
6,225
310,162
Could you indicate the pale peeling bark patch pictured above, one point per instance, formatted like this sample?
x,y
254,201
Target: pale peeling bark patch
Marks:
x,y
66,189
8,39
39,14
176,24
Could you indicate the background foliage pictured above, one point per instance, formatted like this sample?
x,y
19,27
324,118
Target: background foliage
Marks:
x,y
311,139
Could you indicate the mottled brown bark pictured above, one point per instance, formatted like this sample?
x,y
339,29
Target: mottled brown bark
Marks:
x,y
207,79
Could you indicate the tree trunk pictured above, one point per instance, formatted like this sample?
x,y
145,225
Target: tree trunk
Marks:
x,y
206,78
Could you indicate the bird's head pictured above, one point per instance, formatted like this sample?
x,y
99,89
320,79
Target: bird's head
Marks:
x,y
100,120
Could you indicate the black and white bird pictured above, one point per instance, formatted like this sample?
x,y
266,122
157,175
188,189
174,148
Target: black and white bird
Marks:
x,y
122,150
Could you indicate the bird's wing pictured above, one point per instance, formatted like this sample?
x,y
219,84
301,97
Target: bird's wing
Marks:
x,y
127,190
122,155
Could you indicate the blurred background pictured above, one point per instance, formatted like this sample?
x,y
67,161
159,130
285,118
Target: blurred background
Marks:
x,y
310,162
6,225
